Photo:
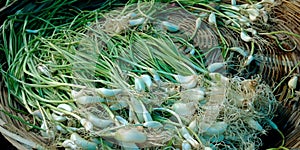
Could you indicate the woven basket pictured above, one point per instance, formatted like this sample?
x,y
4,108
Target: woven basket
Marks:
x,y
284,13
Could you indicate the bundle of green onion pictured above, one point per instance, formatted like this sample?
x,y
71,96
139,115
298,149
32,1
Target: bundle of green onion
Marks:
x,y
120,80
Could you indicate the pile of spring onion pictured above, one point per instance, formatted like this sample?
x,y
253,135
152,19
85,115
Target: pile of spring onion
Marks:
x,y
119,81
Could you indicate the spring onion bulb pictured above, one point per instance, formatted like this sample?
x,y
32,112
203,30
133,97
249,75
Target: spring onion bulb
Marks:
x,y
155,75
197,26
233,2
257,6
244,20
131,15
272,124
187,82
185,133
244,6
32,31
185,145
130,136
88,126
265,16
153,124
83,100
83,143
212,18
129,146
135,22
255,125
69,144
198,23
192,51
44,70
249,60
245,37
65,107
207,148
146,115
215,139
37,113
231,15
253,31
147,80
240,51
58,118
193,95
61,129
216,128
170,26
118,105
98,122
253,13
184,109
267,1
46,132
108,92
139,110
184,79
193,125
217,77
122,120
139,84
215,66
293,82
